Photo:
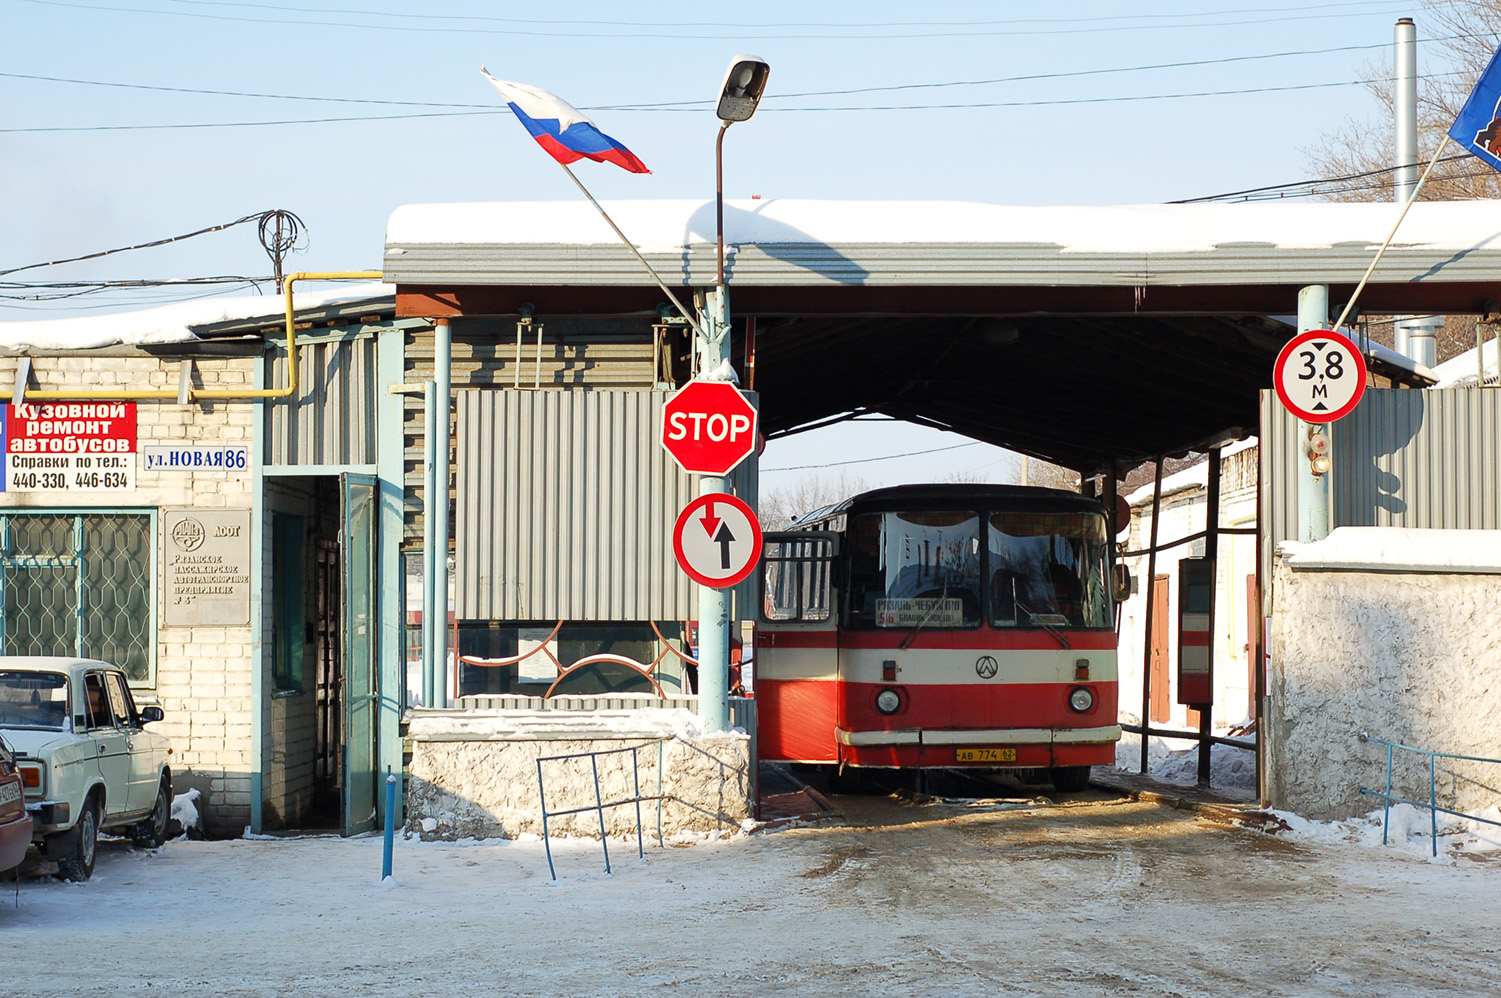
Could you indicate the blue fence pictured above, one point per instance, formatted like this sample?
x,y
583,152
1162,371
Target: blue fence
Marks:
x,y
1432,803
600,803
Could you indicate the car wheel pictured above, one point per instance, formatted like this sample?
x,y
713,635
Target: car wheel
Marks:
x,y
1069,779
151,832
77,860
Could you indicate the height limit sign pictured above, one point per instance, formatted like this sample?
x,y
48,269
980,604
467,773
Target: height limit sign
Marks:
x,y
717,540
1319,376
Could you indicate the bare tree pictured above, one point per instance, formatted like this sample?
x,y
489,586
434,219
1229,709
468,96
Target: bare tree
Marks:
x,y
780,506
1359,154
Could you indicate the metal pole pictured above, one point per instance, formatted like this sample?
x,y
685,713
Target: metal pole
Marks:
x,y
385,866
714,604
1405,106
1313,490
1211,554
443,375
1146,657
429,542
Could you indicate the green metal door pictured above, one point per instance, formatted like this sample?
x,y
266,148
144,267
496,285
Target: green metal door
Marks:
x,y
357,540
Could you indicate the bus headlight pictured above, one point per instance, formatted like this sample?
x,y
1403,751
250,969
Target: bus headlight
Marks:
x,y
1080,699
888,701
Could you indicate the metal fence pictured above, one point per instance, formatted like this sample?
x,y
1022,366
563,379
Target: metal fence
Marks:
x,y
1432,803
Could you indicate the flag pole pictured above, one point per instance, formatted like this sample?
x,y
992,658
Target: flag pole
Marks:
x,y
632,247
1350,305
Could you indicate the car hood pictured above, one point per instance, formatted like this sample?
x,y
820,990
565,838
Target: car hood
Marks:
x,y
33,742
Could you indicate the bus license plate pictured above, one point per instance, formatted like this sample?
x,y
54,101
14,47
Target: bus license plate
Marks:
x,y
986,755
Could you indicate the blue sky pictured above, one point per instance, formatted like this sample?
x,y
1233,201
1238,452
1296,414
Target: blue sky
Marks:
x,y
72,192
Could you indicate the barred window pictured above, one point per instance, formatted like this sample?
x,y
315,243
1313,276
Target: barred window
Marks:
x,y
79,584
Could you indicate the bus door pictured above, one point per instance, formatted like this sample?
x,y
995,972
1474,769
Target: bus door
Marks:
x,y
797,648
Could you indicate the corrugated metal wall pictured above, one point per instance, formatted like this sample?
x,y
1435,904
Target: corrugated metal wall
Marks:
x,y
577,353
566,505
1429,458
333,419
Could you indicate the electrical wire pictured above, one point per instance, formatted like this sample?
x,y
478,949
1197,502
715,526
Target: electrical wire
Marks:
x,y
842,34
791,24
868,460
155,242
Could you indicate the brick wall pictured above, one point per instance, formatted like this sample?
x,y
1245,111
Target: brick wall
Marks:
x,y
203,674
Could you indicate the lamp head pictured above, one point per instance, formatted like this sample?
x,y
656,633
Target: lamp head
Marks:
x,y
743,86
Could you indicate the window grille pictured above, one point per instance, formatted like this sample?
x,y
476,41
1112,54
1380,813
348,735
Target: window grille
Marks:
x,y
79,584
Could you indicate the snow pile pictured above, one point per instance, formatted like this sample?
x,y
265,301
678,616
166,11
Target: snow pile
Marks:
x,y
1398,549
168,323
185,812
1409,830
1232,771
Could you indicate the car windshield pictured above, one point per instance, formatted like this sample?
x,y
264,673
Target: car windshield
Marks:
x,y
33,700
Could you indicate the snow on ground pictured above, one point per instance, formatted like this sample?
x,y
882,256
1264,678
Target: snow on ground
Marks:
x,y
1092,895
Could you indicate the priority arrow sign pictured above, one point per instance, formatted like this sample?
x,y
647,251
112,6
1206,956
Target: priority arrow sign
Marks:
x,y
717,540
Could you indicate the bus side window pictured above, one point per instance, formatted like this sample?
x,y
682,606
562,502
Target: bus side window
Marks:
x,y
797,579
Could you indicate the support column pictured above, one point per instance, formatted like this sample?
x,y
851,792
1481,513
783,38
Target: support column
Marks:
x,y
714,604
1313,490
1149,588
390,446
1211,555
443,375
429,540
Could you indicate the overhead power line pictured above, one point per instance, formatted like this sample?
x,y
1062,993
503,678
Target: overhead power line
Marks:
x,y
868,460
257,217
839,32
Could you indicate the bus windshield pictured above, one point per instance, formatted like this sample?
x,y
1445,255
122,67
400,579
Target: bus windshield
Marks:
x,y
1048,570
915,569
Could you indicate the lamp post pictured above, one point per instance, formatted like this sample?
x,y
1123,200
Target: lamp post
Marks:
x,y
741,91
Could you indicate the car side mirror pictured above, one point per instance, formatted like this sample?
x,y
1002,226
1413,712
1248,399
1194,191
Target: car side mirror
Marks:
x,y
149,714
1121,583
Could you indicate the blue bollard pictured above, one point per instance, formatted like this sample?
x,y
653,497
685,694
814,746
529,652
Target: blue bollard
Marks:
x,y
385,867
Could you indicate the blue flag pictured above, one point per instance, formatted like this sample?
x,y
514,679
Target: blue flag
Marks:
x,y
1478,127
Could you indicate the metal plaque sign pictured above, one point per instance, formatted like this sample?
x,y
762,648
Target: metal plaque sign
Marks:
x,y
67,447
206,569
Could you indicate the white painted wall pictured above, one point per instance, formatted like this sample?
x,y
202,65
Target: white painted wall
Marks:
x,y
1409,656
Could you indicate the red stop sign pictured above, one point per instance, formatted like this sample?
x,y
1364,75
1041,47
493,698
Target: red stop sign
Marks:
x,y
709,427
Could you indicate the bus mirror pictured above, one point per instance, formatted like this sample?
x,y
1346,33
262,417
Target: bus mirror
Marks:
x,y
1121,583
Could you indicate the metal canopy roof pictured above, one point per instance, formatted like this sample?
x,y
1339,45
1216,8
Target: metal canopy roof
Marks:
x,y
1080,335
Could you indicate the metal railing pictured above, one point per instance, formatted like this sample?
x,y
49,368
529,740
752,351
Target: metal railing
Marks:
x,y
600,803
1432,805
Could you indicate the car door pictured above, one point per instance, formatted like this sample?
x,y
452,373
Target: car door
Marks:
x,y
143,761
110,743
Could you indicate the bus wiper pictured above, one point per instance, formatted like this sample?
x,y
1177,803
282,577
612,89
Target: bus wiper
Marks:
x,y
925,618
1035,618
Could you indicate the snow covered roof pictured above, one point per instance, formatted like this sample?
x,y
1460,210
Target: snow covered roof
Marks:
x,y
1398,549
1464,371
945,242
1191,477
175,323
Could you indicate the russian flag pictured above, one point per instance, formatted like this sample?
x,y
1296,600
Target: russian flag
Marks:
x,y
559,127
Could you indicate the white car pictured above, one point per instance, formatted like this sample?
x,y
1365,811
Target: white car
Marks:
x,y
86,759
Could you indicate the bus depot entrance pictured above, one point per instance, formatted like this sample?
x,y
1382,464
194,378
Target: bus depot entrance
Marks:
x,y
1096,338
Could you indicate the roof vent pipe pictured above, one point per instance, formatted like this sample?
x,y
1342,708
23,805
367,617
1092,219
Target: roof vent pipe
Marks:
x,y
1413,337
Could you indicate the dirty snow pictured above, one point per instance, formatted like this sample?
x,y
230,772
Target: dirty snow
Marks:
x,y
1398,549
1232,771
1091,896
664,226
168,323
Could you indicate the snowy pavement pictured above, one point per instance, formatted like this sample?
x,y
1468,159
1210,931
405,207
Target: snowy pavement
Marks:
x,y
1090,896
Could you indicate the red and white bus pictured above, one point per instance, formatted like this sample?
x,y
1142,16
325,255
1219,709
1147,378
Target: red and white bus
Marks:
x,y
937,626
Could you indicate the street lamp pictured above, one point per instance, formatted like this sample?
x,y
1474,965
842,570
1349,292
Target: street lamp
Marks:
x,y
738,96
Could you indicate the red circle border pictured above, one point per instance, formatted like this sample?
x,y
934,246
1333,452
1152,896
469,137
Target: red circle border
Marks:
x,y
682,522
1287,352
